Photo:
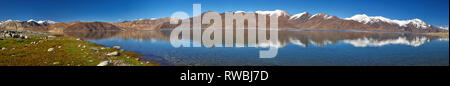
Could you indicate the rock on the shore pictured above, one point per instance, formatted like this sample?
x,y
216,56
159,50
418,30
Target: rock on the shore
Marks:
x,y
115,53
116,47
50,36
51,49
94,48
55,63
103,63
4,48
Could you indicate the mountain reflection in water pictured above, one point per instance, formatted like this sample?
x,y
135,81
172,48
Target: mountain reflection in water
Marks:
x,y
296,48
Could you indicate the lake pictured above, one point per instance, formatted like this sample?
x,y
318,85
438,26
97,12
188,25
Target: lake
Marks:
x,y
295,48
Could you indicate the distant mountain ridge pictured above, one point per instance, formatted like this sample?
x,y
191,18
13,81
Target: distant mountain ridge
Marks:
x,y
23,25
303,20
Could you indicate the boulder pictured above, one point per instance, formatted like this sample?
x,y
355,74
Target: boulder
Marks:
x,y
55,63
22,36
7,35
94,48
16,36
116,47
103,63
51,49
113,54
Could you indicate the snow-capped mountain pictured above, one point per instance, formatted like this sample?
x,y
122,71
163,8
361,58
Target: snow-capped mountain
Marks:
x,y
309,16
296,16
277,13
22,25
445,28
274,13
44,22
9,20
363,18
323,15
239,12
305,20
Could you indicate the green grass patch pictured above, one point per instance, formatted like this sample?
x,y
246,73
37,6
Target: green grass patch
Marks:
x,y
21,52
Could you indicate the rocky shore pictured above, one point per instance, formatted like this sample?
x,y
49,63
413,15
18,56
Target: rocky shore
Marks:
x,y
24,48
12,34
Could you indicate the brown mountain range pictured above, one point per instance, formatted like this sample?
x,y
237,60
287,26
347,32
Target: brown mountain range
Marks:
x,y
16,25
285,21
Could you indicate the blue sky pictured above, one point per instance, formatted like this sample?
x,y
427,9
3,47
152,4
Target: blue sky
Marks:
x,y
435,12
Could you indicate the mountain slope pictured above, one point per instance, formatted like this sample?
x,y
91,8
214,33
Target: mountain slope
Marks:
x,y
91,26
25,25
306,20
324,21
302,20
143,24
379,22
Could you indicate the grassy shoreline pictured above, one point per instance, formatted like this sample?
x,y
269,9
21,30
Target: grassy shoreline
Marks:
x,y
63,51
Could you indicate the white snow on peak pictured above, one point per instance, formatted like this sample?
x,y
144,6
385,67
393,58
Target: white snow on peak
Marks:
x,y
363,18
419,23
325,16
10,20
42,21
445,28
46,22
31,20
239,12
296,16
277,13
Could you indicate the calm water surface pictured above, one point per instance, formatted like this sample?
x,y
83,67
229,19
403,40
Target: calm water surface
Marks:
x,y
295,48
